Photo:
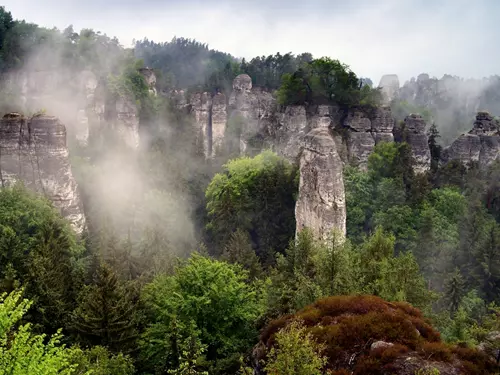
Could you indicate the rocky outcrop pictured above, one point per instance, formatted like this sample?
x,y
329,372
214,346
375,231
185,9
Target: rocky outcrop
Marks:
x,y
126,122
480,145
150,77
290,132
451,102
256,107
88,81
321,201
349,329
34,151
217,124
115,116
415,135
389,85
364,128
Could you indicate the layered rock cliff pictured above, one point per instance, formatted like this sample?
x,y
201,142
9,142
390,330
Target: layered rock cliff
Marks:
x,y
80,101
34,151
322,139
364,128
480,145
450,102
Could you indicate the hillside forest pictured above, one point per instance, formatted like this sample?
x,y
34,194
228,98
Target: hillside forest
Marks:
x,y
195,266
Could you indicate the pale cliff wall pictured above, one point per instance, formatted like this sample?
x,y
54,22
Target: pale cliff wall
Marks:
x,y
415,135
34,151
480,145
365,127
321,200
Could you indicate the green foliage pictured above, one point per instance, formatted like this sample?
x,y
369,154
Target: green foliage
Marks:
x,y
39,251
190,357
434,147
99,361
295,352
293,90
21,351
256,195
239,250
205,298
325,81
395,278
455,290
106,313
268,71
186,63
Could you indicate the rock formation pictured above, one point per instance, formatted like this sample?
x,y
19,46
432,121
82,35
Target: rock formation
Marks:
x,y
321,201
34,151
480,145
452,101
415,135
118,115
150,77
256,107
290,131
217,124
389,84
366,126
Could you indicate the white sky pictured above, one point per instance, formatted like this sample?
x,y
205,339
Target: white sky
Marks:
x,y
374,37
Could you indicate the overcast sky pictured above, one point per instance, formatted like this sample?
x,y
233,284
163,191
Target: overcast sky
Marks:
x,y
374,37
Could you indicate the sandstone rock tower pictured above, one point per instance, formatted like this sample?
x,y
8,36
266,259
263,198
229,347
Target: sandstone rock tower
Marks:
x,y
321,201
34,151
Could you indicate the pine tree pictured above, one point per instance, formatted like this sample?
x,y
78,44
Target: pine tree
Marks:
x,y
239,250
454,291
106,313
434,146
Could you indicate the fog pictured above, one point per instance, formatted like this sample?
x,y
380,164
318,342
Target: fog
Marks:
x,y
374,37
121,189
127,189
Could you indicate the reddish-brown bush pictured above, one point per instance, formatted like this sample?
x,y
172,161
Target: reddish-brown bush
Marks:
x,y
474,361
436,351
349,325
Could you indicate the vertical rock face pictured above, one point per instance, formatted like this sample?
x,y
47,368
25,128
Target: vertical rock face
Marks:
x,y
126,123
88,81
418,140
35,152
219,119
481,144
365,127
290,132
201,105
321,201
389,84
256,107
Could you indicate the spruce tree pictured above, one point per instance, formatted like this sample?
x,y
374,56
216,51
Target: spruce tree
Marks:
x,y
454,291
106,314
434,146
239,250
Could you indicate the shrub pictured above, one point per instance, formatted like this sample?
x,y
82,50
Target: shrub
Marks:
x,y
347,326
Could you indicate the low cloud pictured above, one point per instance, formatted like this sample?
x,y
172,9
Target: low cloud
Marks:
x,y
374,37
